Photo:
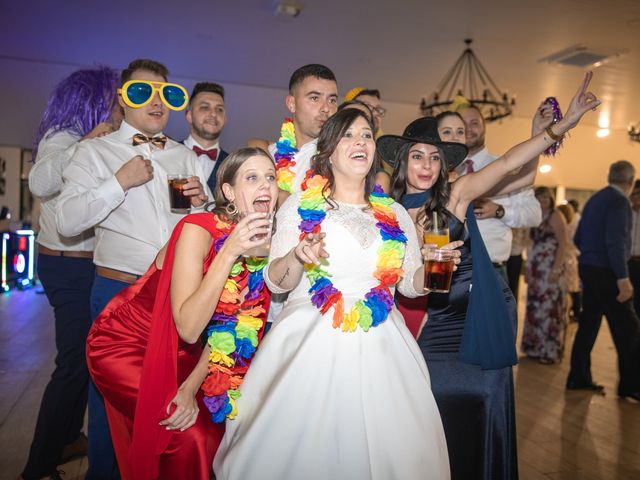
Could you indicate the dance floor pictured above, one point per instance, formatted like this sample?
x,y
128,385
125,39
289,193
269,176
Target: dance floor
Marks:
x,y
561,435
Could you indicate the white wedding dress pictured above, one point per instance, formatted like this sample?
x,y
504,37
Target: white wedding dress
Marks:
x,y
319,403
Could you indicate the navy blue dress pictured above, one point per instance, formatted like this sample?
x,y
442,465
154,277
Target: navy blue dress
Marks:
x,y
477,406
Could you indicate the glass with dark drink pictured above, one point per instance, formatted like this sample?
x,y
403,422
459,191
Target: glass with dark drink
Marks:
x,y
179,203
438,269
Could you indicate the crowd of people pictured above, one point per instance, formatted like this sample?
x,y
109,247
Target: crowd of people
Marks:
x,y
205,358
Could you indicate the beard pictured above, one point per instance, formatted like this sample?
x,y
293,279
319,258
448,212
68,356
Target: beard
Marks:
x,y
202,133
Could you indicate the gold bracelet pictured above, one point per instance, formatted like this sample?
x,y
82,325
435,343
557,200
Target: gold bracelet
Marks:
x,y
553,136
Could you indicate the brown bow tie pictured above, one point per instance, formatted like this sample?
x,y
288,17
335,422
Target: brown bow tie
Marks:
x,y
159,141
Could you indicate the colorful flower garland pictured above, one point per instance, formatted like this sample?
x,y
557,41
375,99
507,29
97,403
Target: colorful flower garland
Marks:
x,y
557,116
234,331
285,151
377,303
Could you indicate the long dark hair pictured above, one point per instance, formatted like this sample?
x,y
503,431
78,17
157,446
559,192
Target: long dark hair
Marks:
x,y
330,135
227,173
440,191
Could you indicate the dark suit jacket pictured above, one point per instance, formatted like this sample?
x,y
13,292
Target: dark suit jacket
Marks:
x,y
604,232
211,181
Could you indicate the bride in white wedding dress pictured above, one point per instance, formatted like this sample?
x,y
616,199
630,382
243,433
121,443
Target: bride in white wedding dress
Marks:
x,y
339,395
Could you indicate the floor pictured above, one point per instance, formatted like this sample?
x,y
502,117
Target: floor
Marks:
x,y
561,435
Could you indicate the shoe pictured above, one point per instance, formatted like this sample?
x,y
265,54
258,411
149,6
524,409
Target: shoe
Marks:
x,y
585,386
75,449
633,395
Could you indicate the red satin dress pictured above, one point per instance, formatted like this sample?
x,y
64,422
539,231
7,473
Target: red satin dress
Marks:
x,y
137,361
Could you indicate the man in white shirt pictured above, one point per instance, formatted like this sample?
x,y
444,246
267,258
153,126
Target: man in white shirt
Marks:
x,y
312,99
118,184
206,117
496,215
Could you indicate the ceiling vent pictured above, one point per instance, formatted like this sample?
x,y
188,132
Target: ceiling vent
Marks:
x,y
583,57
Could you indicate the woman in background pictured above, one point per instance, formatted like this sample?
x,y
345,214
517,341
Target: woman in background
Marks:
x,y
546,274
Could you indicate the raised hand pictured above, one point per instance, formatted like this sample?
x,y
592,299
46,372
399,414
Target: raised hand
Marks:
x,y
134,173
582,102
251,231
542,118
311,249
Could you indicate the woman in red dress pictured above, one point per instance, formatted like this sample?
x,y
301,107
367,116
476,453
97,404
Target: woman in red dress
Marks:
x,y
144,352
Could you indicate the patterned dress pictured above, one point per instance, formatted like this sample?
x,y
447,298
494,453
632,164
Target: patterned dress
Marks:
x,y
545,322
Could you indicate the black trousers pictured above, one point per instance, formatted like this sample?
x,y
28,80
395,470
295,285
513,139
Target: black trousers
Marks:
x,y
67,283
514,268
634,276
600,290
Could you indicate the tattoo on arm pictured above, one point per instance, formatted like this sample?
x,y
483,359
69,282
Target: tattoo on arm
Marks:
x,y
279,282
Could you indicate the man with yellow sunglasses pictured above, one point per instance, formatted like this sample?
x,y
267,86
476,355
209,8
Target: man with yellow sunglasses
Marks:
x,y
118,184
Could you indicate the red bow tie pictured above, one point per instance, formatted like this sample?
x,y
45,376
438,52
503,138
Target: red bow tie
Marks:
x,y
159,141
212,154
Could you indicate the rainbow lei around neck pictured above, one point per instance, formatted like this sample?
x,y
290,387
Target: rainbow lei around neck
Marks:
x,y
285,151
234,331
377,303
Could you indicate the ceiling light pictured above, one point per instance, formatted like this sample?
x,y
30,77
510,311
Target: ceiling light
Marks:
x,y
546,168
603,132
468,78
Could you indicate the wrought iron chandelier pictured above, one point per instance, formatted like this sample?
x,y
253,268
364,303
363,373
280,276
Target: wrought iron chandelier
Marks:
x,y
634,132
473,82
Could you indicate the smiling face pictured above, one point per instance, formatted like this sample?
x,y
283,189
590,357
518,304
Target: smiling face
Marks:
x,y
206,116
423,167
312,102
153,117
254,188
451,129
353,156
474,129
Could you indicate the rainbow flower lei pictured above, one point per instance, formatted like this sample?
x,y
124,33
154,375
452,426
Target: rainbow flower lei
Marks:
x,y
234,331
377,303
285,151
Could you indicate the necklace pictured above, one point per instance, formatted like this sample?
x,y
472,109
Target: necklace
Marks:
x,y
377,303
233,332
285,151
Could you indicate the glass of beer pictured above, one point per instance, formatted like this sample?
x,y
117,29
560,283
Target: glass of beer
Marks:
x,y
178,202
438,270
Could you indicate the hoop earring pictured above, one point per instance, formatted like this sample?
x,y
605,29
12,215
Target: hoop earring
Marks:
x,y
231,209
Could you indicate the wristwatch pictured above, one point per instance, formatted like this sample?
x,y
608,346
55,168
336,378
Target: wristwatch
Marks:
x,y
500,211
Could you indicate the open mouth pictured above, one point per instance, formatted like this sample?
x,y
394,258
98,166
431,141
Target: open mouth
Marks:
x,y
262,204
358,156
157,114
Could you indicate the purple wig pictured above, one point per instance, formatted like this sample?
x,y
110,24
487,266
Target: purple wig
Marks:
x,y
79,103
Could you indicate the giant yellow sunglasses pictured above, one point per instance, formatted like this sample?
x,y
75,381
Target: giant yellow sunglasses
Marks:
x,y
138,93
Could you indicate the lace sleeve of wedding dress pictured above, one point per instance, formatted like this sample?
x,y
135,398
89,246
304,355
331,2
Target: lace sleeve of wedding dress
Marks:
x,y
285,237
412,257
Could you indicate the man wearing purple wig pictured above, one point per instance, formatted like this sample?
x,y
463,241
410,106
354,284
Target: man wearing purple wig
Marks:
x,y
82,106
118,185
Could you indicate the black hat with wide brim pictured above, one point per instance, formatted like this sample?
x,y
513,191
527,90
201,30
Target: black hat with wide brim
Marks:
x,y
422,130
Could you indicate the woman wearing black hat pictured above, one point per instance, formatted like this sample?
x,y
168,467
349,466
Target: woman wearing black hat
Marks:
x,y
469,339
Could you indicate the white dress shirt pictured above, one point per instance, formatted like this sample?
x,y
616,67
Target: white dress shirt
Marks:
x,y
521,209
302,159
207,163
131,227
45,182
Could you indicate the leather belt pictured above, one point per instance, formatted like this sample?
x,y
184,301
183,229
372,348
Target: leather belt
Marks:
x,y
64,253
117,275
